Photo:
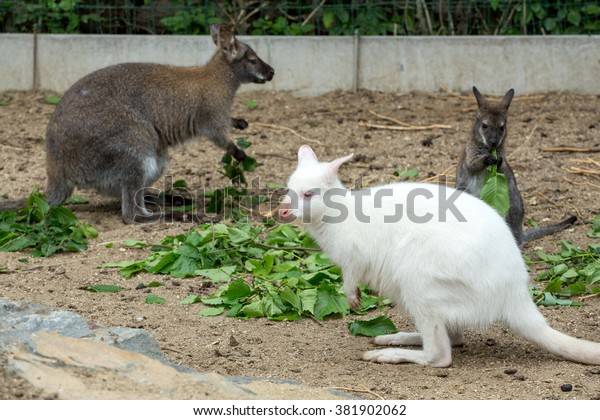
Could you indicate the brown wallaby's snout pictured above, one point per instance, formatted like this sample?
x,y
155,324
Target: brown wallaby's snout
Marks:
x,y
112,129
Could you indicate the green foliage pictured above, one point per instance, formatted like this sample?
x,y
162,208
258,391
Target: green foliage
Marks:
x,y
572,272
236,196
305,17
252,104
495,190
372,327
45,229
275,272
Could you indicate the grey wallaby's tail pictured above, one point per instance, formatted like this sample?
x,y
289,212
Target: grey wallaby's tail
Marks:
x,y
533,327
540,232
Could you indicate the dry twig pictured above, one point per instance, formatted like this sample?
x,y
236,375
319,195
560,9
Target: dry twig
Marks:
x,y
367,391
571,149
582,171
291,130
408,128
581,184
582,298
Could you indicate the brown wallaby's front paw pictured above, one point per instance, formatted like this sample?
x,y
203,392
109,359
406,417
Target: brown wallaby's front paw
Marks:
x,y
491,160
239,154
239,123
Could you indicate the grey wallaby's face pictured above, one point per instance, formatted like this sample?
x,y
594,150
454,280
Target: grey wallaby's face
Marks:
x,y
245,63
490,124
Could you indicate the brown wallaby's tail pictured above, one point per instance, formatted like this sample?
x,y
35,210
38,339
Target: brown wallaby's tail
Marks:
x,y
540,232
533,327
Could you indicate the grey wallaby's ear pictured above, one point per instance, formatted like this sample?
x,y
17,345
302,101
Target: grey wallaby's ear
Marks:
x,y
508,98
481,101
223,38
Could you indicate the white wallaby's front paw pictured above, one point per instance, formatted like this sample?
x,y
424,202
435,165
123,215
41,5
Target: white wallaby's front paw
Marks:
x,y
354,299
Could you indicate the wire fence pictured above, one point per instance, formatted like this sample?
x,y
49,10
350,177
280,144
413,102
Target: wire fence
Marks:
x,y
313,17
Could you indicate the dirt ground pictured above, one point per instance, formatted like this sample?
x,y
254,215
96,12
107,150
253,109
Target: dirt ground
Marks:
x,y
322,353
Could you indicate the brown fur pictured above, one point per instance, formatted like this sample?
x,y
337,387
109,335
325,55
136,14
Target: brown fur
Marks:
x,y
112,129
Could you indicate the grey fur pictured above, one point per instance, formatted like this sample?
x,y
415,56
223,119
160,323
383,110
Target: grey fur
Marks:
x,y
112,129
489,133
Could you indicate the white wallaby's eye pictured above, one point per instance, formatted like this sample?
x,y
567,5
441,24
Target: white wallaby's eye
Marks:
x,y
308,194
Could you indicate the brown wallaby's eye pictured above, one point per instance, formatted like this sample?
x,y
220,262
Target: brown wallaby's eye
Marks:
x,y
501,128
484,125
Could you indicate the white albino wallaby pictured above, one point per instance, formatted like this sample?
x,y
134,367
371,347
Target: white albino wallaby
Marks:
x,y
427,247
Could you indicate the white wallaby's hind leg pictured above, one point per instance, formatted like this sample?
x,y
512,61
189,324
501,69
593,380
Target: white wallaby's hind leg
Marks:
x,y
399,339
414,339
437,350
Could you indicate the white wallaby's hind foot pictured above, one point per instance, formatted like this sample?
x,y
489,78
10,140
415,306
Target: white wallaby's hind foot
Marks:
x,y
437,350
414,339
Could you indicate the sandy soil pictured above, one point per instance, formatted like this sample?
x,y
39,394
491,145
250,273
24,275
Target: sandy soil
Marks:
x,y
314,352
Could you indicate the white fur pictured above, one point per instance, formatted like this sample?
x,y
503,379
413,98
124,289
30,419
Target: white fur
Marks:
x,y
447,275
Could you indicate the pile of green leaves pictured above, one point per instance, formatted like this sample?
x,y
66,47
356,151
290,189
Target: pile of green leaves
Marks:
x,y
572,272
495,189
266,271
45,229
235,196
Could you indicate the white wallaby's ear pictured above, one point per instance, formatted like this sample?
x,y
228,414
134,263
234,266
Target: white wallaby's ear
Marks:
x,y
305,155
333,168
214,33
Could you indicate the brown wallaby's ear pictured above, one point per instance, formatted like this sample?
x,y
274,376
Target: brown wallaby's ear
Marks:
x,y
223,38
507,98
481,101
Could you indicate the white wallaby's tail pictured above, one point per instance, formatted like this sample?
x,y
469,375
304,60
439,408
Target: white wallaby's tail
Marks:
x,y
533,327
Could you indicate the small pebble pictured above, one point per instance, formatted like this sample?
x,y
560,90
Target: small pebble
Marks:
x,y
232,341
566,387
519,377
442,373
594,371
140,286
490,342
510,371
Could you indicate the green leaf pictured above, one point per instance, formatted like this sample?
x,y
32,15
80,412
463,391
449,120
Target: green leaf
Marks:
x,y
211,311
103,288
132,243
75,199
406,173
53,100
180,184
329,303
372,327
152,299
237,289
251,104
217,274
243,143
249,164
190,299
155,284
495,190
328,18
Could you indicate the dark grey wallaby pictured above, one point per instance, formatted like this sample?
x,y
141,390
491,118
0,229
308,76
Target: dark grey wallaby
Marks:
x,y
112,129
488,134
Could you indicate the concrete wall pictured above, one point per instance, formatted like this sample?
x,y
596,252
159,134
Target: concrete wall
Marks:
x,y
314,65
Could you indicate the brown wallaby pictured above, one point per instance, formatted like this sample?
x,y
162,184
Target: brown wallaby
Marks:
x,y
112,129
489,134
